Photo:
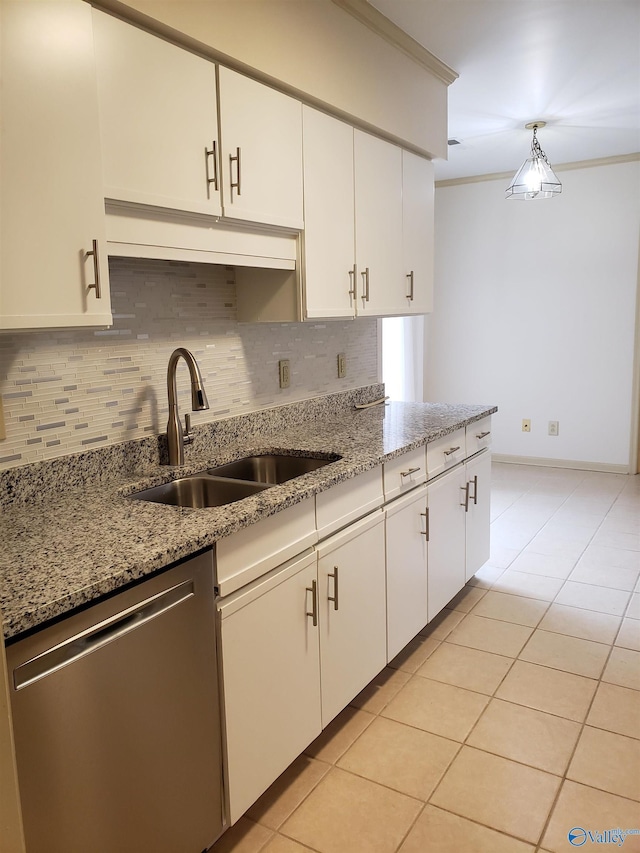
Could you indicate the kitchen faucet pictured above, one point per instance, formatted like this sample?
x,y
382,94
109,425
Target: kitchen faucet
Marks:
x,y
176,438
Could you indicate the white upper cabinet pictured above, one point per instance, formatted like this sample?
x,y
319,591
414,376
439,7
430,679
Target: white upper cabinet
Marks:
x,y
417,232
52,239
329,237
368,215
261,152
159,120
378,203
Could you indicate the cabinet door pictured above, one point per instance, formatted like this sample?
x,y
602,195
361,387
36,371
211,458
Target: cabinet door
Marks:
x,y
271,679
446,551
417,231
158,118
479,513
329,275
51,206
378,199
406,537
261,137
351,591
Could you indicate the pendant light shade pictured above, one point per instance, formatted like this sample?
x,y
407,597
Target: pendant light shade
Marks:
x,y
535,178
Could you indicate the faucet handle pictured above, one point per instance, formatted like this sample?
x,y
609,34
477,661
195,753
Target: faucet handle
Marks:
x,y
187,436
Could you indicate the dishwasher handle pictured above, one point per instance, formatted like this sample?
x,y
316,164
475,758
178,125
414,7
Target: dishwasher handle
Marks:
x,y
94,638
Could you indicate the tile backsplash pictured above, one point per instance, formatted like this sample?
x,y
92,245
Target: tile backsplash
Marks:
x,y
71,390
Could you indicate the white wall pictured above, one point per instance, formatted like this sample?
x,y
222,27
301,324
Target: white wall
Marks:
x,y
535,307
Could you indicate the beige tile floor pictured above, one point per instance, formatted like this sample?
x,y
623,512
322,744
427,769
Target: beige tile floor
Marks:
x,y
512,718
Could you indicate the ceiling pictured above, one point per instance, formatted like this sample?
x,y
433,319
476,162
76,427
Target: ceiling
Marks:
x,y
572,63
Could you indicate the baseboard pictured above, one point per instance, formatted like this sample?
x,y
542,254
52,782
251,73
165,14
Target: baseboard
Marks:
x,y
605,467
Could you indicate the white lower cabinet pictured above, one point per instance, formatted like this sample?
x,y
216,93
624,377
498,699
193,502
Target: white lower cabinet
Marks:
x,y
299,640
447,549
296,647
271,678
352,612
478,520
406,551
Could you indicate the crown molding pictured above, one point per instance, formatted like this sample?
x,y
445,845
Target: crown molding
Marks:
x,y
561,167
368,15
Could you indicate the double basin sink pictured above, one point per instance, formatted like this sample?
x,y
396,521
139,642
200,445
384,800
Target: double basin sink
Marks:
x,y
232,482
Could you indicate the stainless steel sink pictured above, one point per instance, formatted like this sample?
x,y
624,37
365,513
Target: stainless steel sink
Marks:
x,y
270,468
200,491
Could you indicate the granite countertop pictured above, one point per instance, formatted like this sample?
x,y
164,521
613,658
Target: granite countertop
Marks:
x,y
68,544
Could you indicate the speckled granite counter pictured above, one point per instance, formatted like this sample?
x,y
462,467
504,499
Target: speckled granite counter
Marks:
x,y
70,533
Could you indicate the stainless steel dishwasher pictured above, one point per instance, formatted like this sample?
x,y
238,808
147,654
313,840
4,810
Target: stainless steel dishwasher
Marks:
x,y
117,722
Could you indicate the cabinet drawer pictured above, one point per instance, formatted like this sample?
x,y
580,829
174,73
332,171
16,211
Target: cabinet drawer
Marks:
x,y
478,436
348,501
404,472
445,452
249,553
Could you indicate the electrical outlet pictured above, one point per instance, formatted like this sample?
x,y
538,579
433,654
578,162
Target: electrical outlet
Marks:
x,y
284,372
342,365
554,427
526,425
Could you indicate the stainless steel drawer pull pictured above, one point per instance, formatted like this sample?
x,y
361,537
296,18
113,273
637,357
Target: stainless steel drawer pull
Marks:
x,y
474,496
409,472
425,515
365,279
212,153
410,277
465,503
96,270
334,598
313,589
235,184
483,434
451,450
99,635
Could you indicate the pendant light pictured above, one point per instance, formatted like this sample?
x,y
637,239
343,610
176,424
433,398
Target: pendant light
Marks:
x,y
535,178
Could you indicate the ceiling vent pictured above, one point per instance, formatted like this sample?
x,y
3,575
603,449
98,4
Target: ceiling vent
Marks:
x,y
453,142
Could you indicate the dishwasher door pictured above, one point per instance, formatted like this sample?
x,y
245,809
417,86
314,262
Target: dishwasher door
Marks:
x,y
117,722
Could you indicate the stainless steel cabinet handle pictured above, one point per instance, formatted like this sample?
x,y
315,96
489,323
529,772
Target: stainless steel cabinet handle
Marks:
x,y
235,184
313,589
365,279
465,504
352,282
334,597
409,472
451,450
425,515
410,277
483,434
212,153
96,270
474,496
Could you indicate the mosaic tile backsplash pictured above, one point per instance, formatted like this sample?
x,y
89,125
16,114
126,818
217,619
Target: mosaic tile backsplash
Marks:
x,y
71,390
